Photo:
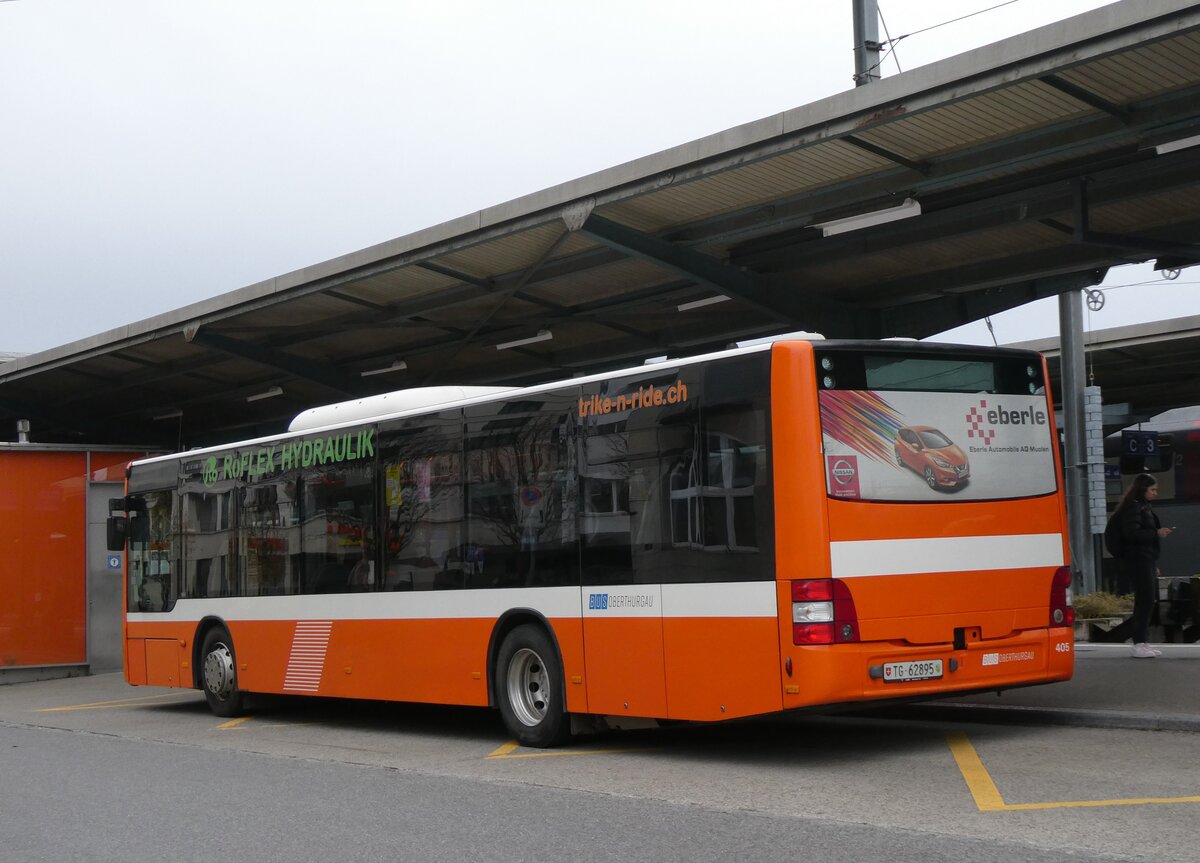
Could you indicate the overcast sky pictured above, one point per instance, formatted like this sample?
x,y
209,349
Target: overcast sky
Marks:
x,y
159,153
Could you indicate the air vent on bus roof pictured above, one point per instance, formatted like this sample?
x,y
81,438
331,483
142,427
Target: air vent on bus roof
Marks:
x,y
386,403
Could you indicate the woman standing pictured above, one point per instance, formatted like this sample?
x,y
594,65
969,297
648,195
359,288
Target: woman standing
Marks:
x,y
1141,532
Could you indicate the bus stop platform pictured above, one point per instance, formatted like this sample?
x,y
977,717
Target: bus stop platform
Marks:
x,y
1110,689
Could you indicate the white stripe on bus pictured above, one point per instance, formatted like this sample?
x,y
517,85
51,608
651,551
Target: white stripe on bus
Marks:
x,y
944,554
725,599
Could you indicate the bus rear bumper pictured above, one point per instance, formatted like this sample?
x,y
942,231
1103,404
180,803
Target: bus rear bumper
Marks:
x,y
843,673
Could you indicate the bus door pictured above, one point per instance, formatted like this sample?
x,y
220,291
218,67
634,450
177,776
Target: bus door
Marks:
x,y
621,609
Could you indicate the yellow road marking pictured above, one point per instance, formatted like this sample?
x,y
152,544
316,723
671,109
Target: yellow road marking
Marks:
x,y
139,701
236,724
979,782
509,750
987,795
1132,801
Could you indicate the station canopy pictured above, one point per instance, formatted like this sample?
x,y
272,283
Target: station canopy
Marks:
x,y
1017,171
1146,369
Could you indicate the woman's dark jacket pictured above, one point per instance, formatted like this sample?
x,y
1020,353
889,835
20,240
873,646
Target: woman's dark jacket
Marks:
x,y
1139,530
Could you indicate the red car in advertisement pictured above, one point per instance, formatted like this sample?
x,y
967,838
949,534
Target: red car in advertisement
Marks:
x,y
934,456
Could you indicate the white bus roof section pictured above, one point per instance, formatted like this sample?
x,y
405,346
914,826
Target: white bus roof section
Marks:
x,y
418,398
1033,165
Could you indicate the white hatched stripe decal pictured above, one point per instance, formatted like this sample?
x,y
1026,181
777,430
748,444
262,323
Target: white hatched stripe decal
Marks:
x,y
945,554
307,659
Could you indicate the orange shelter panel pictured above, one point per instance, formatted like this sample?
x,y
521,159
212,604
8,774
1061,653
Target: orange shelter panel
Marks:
x,y
43,532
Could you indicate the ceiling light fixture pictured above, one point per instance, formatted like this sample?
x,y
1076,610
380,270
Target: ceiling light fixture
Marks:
x,y
697,304
268,393
542,336
911,207
396,366
1172,146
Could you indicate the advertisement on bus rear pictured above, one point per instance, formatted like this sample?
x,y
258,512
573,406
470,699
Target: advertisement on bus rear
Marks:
x,y
914,446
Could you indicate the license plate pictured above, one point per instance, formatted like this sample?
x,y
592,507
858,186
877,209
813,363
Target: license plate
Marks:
x,y
920,669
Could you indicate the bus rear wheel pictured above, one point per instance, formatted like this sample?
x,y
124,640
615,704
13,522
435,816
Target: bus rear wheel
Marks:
x,y
529,688
218,669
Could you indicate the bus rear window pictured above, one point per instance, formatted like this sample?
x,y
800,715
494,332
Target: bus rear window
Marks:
x,y
922,373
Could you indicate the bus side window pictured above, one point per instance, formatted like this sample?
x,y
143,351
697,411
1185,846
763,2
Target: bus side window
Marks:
x,y
153,546
337,514
421,470
270,534
522,491
207,541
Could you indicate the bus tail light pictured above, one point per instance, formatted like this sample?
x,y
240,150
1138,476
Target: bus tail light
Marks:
x,y
823,612
1061,611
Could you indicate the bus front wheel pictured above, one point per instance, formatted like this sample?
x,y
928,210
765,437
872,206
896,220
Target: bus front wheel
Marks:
x,y
218,668
529,688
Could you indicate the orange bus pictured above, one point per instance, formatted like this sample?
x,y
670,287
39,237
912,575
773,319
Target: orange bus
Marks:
x,y
784,526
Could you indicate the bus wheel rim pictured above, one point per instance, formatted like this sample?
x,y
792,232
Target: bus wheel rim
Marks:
x,y
528,687
218,671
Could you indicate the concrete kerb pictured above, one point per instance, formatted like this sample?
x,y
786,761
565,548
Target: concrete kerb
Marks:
x,y
1017,715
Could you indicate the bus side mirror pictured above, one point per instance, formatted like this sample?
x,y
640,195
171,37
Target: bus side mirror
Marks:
x,y
118,530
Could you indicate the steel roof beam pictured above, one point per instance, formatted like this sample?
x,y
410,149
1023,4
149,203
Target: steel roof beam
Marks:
x,y
920,167
928,317
1087,97
734,282
1148,175
1156,247
765,295
1156,117
324,374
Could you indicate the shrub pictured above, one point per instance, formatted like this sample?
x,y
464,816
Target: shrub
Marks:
x,y
1102,604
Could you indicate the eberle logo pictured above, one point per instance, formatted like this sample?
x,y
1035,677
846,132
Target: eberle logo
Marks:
x,y
982,420
843,476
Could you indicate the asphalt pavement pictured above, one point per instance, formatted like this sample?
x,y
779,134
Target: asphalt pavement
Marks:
x,y
1110,689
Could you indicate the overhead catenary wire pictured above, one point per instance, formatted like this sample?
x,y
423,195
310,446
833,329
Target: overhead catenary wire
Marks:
x,y
952,21
1148,282
891,43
